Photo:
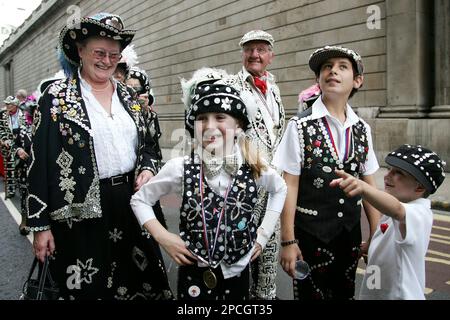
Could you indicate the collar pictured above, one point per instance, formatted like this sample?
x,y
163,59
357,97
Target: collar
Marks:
x,y
270,78
319,110
422,201
214,165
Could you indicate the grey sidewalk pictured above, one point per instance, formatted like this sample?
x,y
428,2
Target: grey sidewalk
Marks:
x,y
439,200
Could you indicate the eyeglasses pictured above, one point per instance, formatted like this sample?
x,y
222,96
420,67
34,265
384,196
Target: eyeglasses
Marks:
x,y
101,54
260,50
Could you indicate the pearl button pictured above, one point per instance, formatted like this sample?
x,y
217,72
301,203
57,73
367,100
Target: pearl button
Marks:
x,y
340,214
341,201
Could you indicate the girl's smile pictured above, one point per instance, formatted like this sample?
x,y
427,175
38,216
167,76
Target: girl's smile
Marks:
x,y
216,131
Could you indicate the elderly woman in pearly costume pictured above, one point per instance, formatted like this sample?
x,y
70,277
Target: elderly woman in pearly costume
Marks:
x,y
91,151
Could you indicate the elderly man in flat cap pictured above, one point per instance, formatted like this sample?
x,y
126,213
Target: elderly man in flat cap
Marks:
x,y
265,110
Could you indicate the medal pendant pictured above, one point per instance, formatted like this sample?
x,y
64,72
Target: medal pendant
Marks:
x,y
210,279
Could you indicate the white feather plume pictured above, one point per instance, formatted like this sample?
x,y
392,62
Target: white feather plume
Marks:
x,y
199,76
129,56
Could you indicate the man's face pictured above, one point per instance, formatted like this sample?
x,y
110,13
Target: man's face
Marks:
x,y
11,108
256,56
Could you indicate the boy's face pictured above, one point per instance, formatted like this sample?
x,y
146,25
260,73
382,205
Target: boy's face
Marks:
x,y
336,78
402,185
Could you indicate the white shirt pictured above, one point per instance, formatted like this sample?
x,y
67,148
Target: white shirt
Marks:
x,y
288,156
115,138
14,120
401,261
169,180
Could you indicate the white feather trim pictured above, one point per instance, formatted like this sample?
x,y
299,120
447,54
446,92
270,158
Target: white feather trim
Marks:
x,y
199,76
129,56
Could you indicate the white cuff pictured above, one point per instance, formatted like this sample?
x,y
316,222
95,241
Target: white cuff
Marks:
x,y
267,227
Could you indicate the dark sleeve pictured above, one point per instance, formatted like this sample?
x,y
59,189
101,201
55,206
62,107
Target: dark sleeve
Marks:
x,y
151,158
44,127
3,124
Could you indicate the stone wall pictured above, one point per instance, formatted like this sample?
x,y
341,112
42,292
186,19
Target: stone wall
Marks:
x,y
175,38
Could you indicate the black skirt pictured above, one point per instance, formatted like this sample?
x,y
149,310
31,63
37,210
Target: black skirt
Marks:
x,y
110,257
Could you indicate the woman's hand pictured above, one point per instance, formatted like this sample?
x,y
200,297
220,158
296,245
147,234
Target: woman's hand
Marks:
x,y
142,179
289,255
176,248
43,244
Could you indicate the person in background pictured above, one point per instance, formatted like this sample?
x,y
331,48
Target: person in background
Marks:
x,y
129,59
22,95
15,142
261,95
139,80
90,152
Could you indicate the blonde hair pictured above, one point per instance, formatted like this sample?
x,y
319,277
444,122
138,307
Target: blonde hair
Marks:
x,y
251,155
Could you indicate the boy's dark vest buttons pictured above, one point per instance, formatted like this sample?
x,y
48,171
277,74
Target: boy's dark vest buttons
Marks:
x,y
323,211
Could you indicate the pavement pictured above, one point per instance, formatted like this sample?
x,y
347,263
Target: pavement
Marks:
x,y
16,250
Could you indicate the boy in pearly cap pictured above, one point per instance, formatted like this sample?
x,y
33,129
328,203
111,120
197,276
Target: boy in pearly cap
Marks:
x,y
396,259
325,231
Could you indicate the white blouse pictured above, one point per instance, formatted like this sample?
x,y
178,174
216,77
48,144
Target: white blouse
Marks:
x,y
170,181
115,137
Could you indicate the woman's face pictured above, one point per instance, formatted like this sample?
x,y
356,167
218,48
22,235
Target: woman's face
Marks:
x,y
100,57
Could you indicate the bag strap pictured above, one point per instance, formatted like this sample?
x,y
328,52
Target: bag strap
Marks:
x,y
42,279
33,266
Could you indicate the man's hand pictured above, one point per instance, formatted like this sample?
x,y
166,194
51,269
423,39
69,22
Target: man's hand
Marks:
x,y
142,179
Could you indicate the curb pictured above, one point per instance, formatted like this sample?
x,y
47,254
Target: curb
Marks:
x,y
440,205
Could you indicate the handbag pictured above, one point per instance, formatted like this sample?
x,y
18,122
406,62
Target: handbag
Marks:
x,y
41,288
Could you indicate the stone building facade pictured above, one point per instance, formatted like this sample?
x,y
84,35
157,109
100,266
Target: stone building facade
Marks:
x,y
404,44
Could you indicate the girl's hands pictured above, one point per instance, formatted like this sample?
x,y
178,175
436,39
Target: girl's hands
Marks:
x,y
176,248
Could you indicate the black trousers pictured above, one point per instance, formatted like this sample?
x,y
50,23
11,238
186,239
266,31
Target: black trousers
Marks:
x,y
333,266
192,287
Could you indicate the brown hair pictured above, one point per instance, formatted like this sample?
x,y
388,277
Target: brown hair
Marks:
x,y
251,156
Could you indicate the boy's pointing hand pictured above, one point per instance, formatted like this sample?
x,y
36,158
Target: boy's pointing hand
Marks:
x,y
348,183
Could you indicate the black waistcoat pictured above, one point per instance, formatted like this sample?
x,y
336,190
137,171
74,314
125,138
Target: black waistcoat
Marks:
x,y
237,230
321,210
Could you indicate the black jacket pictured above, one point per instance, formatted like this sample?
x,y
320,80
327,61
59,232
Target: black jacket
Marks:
x,y
63,175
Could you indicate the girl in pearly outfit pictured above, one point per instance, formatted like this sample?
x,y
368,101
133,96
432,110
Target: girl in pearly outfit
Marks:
x,y
219,183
